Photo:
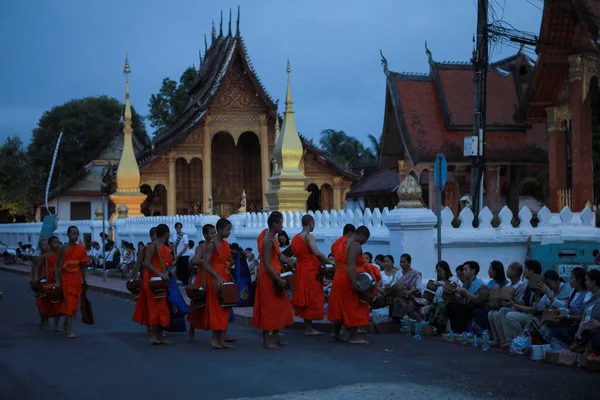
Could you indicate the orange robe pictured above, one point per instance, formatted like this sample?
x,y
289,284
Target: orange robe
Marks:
x,y
158,309
308,299
141,313
212,316
45,307
344,304
74,258
271,312
374,271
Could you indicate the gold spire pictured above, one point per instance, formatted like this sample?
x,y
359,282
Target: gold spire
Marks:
x,y
128,172
287,191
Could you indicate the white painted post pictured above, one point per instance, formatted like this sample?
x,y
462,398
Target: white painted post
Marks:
x,y
412,231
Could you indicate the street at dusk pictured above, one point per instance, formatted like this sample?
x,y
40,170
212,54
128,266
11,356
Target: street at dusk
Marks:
x,y
114,360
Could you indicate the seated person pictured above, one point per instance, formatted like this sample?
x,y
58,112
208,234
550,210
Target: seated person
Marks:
x,y
516,313
128,260
435,313
514,272
469,298
497,276
589,325
458,278
406,289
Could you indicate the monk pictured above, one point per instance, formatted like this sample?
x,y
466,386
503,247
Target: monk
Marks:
x,y
72,261
140,313
347,231
309,298
215,269
272,308
43,273
196,315
156,260
345,307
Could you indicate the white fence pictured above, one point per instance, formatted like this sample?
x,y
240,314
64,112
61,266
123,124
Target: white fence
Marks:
x,y
392,232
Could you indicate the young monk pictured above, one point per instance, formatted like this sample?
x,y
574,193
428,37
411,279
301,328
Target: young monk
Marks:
x,y
196,317
215,266
73,259
345,307
157,259
40,271
348,230
308,299
272,309
140,313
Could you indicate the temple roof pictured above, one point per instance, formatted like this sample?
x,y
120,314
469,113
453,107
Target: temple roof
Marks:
x,y
562,24
434,112
321,158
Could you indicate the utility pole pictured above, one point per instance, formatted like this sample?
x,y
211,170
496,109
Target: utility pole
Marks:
x,y
480,66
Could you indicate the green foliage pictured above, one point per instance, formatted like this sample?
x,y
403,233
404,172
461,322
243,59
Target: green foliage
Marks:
x,y
13,180
348,151
88,125
171,99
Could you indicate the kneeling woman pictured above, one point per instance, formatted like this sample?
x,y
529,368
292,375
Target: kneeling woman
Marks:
x,y
215,266
409,284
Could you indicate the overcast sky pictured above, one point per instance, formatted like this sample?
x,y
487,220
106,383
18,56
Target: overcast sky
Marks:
x,y
54,51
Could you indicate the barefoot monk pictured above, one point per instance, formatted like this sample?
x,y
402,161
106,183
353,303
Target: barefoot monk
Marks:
x,y
308,299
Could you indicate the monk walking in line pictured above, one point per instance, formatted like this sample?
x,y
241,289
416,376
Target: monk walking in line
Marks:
x,y
73,259
140,313
197,315
309,298
215,268
156,261
345,306
348,230
43,273
272,307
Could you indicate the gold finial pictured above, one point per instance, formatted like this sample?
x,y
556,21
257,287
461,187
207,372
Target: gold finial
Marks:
x,y
122,211
126,69
99,213
409,193
277,131
289,66
288,95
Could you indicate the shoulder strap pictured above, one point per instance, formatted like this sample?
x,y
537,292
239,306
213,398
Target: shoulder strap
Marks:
x,y
160,259
227,267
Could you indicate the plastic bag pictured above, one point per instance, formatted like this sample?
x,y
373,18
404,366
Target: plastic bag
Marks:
x,y
521,344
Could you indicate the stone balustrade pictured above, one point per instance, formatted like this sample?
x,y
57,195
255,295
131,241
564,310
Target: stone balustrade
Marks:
x,y
404,230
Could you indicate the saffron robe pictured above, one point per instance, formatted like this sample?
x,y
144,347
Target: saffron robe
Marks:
x,y
309,298
141,313
45,307
373,270
344,304
271,312
212,316
158,309
74,258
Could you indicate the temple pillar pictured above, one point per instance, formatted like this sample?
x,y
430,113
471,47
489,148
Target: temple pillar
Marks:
x,y
492,188
581,135
337,193
171,191
557,118
206,167
265,162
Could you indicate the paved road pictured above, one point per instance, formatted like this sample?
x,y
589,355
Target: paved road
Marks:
x,y
113,360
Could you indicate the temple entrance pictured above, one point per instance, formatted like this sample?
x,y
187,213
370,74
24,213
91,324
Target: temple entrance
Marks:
x,y
313,203
188,178
424,182
235,169
326,197
156,202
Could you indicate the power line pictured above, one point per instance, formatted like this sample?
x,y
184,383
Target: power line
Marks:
x,y
534,5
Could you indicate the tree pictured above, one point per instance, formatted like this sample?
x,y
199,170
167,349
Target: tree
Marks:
x,y
376,145
346,150
171,99
13,187
88,125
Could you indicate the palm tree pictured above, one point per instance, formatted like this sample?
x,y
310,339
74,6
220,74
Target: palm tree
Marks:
x,y
332,142
376,144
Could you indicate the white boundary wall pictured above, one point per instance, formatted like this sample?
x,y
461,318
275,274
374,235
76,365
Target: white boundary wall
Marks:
x,y
392,232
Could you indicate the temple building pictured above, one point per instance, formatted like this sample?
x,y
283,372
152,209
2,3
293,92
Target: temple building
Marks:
x,y
427,114
220,147
564,94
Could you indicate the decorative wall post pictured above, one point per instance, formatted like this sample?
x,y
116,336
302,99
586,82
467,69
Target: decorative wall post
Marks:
x,y
411,227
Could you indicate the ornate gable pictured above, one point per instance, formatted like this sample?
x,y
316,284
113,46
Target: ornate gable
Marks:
x,y
237,90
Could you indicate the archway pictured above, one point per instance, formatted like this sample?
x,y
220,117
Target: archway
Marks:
x,y
424,182
145,207
158,205
313,203
235,169
188,185
326,197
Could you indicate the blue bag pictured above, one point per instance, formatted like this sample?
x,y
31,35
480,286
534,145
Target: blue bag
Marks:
x,y
177,304
244,281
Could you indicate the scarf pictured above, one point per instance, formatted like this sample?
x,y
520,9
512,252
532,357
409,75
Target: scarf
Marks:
x,y
179,237
409,278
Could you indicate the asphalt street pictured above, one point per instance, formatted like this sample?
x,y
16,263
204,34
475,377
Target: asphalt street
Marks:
x,y
113,360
